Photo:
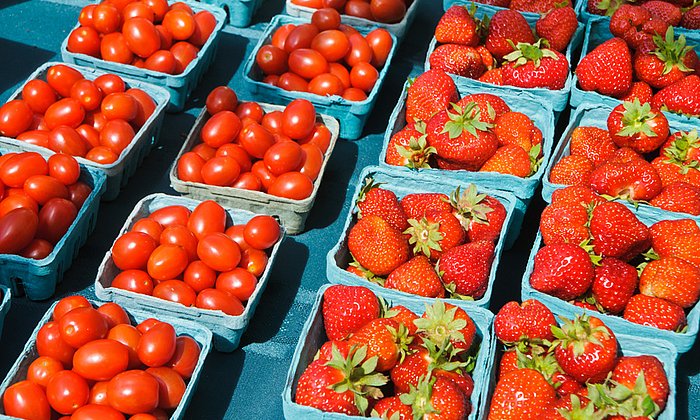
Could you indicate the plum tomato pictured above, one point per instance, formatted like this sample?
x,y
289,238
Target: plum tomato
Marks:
x,y
222,128
255,139
86,15
26,399
98,394
272,121
292,82
102,155
300,37
133,392
17,199
146,106
69,303
220,171
252,110
261,232
114,48
106,18
341,72
299,119
137,9
67,391
208,217
380,42
101,360
360,50
42,368
189,167
259,169
279,38
175,291
132,250
17,229
50,343
157,345
222,98
247,181
292,185
237,152
110,83
167,262
236,232
43,188
307,63
171,215
120,105
141,36
204,25
359,8
312,161
129,336
171,386
217,300
39,95
272,60
354,94
64,168
55,218
184,54
148,226
146,325
37,249
161,61
219,252
82,325
66,140
117,135
84,40
199,276
332,44
185,358
79,192
36,137
136,281
238,282
388,11
326,84
179,23
114,314
66,111
283,157
61,78
97,411
90,136
326,18
181,236
364,76
320,136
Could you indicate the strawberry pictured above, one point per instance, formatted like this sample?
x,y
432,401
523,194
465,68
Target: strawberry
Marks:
x,y
671,171
325,353
654,312
679,197
564,223
486,57
409,147
416,276
428,94
593,143
640,91
437,398
691,18
614,284
669,13
513,160
491,106
416,364
493,76
507,28
514,128
557,27
572,170
392,408
562,270
632,180
574,406
630,368
443,322
682,97
669,62
607,69
509,361
683,147
585,305
463,380
676,238
341,385
521,394
576,195
617,232
585,348
531,320
672,279
403,315
628,23
435,233
603,7
481,215
566,384
377,246
346,309
466,269
376,201
417,205
500,3
385,339
637,126
457,26
457,59
532,66
539,6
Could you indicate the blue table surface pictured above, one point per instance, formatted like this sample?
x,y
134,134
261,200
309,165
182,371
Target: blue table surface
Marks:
x,y
248,382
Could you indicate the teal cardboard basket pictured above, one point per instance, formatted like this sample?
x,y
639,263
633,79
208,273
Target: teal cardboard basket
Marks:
x,y
227,329
5,303
313,336
557,99
180,86
240,12
352,115
339,257
201,335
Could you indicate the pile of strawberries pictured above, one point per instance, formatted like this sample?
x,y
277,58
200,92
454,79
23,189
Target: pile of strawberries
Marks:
x,y
614,162
684,13
426,244
476,133
644,61
533,6
572,371
600,256
390,361
503,50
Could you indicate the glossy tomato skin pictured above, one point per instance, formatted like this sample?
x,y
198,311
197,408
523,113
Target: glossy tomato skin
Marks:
x,y
114,48
218,300
49,342
283,157
27,400
237,232
220,170
36,137
332,44
326,18
15,118
157,345
320,136
237,152
67,391
221,98
42,368
167,262
37,249
69,303
205,23
204,150
175,291
79,192
149,227
171,215
114,314
261,232
359,8
97,412
43,188
82,325
259,169
189,167
222,128
179,23
299,119
208,217
171,386
326,84
184,53
146,106
141,36
219,252
129,336
279,38
254,260
185,358
380,42
292,82
64,139
136,10
360,50
110,83
354,94
136,281
120,105
101,360
248,181
300,37
312,162
364,76
238,282
98,394
199,276
17,229
64,168
307,63
255,139
84,40
133,392
55,218
39,95
162,61
293,185
388,11
106,18
181,236
61,78
66,111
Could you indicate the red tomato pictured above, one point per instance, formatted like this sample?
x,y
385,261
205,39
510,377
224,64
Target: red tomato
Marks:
x,y
61,78
332,44
84,40
16,201
97,412
119,106
17,229
184,53
380,42
238,283
146,325
313,4
87,94
293,185
110,83
335,4
247,181
171,215
364,76
67,391
221,171
64,168
326,18
171,386
136,281
199,276
98,393
159,8
299,119
219,252
312,161
254,260
117,135
133,391
271,79
129,336
137,9
43,188
166,39
252,110
141,36
185,358
236,232
55,218
218,300
132,250
86,15
293,83
237,152
272,60
18,167
204,25
167,262
146,106
359,8
15,117
69,303
65,111
82,325
114,314
189,167
79,192
96,120
326,84
261,232
49,342
259,169
347,29
148,226
204,150
360,50
300,37
39,95
388,11
106,18
102,155
37,249
181,236
27,400
36,137
222,98
255,140
354,94
114,48
307,63
41,370
162,61
175,291
179,23
157,345
101,360
223,127
279,38
208,217
283,157
272,121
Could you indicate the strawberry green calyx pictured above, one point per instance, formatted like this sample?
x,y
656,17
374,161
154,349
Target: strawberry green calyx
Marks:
x,y
360,376
403,340
419,397
588,247
577,412
525,52
425,236
417,153
672,52
577,332
614,399
535,158
469,206
610,6
465,119
685,142
635,117
366,273
541,361
369,184
440,325
649,256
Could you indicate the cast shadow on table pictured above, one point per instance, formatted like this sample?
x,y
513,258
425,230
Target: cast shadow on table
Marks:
x,y
16,67
217,383
691,367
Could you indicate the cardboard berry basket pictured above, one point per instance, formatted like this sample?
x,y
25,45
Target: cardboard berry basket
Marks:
x,y
352,115
557,99
339,257
200,334
240,12
118,172
37,279
5,302
180,86
227,329
523,188
628,345
292,213
313,335
398,29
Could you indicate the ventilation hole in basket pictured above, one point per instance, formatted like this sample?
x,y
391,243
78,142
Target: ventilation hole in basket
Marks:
x,y
18,286
225,6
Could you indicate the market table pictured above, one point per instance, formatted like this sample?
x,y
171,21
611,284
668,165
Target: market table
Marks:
x,y
248,382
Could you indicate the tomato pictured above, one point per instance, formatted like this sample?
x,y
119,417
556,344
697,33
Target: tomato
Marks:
x,y
96,120
388,11
179,23
293,185
102,155
42,368
37,249
189,167
162,61
199,276
220,171
208,217
175,291
325,19
55,218
86,15
236,232
26,400
39,95
272,121
259,169
159,8
251,110
204,25
141,36
185,358
114,48
222,98
129,336
184,53
61,78
67,111
36,137
358,8
237,152
380,42
147,324
171,386
97,412
136,281
16,201
146,106
49,342
69,303
181,236
204,150
283,157
312,161
167,262
326,84
354,94
339,71
300,37
219,252
261,232
43,188
157,345
67,391
15,117
98,394
64,168
335,4
101,360
149,227
106,18
313,4
132,392
17,229
360,50
119,105
87,94
238,282
79,192
271,79
18,167
84,40
117,135
307,63
110,83
293,82
272,60
364,76
132,250
223,127
82,325
171,215
279,38
247,181
114,314
299,119
137,9
332,44
254,260
256,140
166,39
347,29
217,300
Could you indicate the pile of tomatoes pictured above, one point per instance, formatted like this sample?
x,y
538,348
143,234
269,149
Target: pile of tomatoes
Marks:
x,y
94,364
325,57
67,113
40,200
144,33
279,152
385,11
193,258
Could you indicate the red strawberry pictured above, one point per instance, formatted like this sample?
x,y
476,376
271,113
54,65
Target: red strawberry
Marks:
x,y
603,7
457,26
676,238
466,269
512,160
376,201
539,6
509,361
617,232
614,284
385,339
505,26
377,246
409,147
576,195
486,57
682,97
325,353
435,234
562,270
680,197
629,368
437,398
633,180
531,66
489,105
481,215
416,276
514,128
346,309
403,315
607,69
683,147
392,408
443,322
671,171
566,384
627,23
522,394
637,126
457,59
654,312
464,381
691,18
558,27
415,365
593,143
585,305
572,170
667,12
417,205
531,320
430,93
672,279
493,76
499,3
564,223
585,348
668,63
640,91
